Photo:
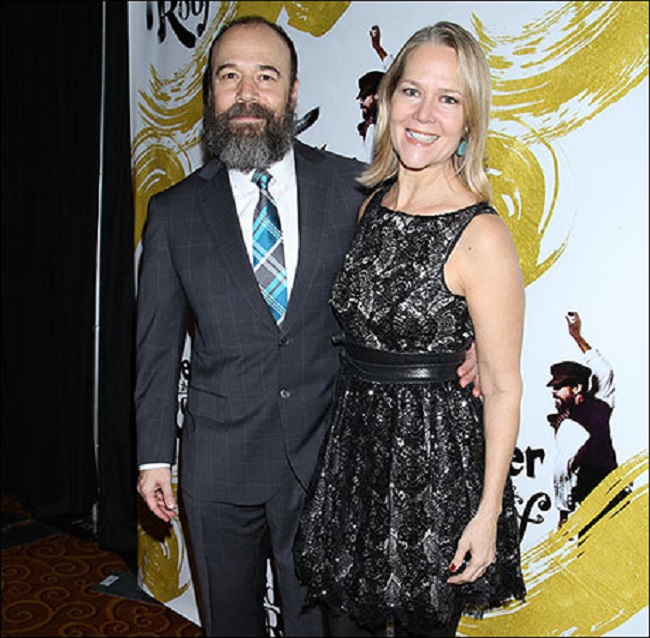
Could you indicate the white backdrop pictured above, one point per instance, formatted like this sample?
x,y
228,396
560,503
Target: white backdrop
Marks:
x,y
569,151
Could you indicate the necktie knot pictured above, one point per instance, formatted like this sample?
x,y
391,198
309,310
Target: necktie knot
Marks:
x,y
261,179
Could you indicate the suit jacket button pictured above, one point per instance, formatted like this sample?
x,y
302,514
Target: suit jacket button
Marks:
x,y
285,394
283,342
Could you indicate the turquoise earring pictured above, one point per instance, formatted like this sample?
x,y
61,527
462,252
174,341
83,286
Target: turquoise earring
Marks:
x,y
462,147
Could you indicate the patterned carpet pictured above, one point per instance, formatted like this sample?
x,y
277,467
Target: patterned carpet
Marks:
x,y
58,584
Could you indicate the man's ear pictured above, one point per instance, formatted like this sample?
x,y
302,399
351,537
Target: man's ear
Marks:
x,y
578,392
294,93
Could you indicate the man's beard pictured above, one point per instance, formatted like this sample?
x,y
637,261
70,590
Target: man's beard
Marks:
x,y
248,146
369,113
564,404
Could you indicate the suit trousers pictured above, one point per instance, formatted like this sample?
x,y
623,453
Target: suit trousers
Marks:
x,y
230,545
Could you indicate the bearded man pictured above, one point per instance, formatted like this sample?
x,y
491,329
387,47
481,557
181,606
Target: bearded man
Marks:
x,y
242,254
584,399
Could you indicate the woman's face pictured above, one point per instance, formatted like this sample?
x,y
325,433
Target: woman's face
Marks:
x,y
427,113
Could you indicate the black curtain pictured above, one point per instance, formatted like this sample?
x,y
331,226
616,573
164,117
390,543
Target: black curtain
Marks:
x,y
117,465
51,113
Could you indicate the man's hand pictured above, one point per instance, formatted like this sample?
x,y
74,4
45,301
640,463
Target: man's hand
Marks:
x,y
375,40
155,487
375,35
468,371
574,324
575,330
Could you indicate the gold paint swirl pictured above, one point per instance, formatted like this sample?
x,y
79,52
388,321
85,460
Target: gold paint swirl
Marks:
x,y
316,18
520,185
158,163
161,554
584,586
598,54
559,72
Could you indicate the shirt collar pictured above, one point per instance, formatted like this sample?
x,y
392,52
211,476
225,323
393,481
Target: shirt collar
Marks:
x,y
282,173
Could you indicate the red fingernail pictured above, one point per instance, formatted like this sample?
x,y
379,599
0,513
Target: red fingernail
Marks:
x,y
452,568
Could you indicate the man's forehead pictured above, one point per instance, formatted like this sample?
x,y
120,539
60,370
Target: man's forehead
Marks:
x,y
250,40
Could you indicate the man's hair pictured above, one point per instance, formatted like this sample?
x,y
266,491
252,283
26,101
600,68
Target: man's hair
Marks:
x,y
252,19
369,83
569,373
474,75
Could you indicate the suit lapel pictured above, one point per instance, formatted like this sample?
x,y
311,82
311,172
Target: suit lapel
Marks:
x,y
312,200
217,209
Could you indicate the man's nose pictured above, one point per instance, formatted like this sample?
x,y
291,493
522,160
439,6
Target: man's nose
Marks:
x,y
247,90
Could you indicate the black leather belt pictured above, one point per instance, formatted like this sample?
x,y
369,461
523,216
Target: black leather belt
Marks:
x,y
400,367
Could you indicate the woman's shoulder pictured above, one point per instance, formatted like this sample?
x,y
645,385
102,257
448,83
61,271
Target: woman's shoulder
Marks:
x,y
486,232
476,209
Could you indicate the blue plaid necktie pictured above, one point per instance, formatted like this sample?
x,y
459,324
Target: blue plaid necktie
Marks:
x,y
268,251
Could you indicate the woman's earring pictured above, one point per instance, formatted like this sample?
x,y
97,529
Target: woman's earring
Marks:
x,y
462,147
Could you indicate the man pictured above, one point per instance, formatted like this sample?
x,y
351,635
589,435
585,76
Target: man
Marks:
x,y
367,96
584,451
262,369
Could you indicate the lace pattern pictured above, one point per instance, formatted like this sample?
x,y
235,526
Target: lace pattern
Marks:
x,y
401,472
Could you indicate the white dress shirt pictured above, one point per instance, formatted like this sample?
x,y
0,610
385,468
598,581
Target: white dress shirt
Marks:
x,y
284,190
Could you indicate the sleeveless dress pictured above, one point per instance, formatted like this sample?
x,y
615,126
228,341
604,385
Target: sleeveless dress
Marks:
x,y
400,472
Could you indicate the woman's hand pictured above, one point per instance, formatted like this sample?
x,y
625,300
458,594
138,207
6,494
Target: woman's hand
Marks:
x,y
478,543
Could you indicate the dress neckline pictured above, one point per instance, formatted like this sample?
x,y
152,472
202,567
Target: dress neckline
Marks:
x,y
436,215
382,192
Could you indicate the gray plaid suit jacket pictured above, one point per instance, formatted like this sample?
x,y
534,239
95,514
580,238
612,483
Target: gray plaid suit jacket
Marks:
x,y
258,395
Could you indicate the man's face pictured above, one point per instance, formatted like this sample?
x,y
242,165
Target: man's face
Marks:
x,y
368,105
564,396
249,114
251,66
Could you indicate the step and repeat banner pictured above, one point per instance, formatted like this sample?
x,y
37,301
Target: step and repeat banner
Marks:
x,y
568,158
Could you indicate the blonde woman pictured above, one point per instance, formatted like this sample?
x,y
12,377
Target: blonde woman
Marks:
x,y
410,518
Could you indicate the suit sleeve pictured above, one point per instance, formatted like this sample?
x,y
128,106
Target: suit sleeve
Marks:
x,y
162,322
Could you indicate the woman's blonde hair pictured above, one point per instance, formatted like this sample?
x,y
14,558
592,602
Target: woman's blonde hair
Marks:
x,y
474,75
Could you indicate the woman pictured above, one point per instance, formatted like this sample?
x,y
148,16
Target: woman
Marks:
x,y
410,519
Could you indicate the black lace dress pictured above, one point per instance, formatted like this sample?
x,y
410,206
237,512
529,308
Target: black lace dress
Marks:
x,y
401,470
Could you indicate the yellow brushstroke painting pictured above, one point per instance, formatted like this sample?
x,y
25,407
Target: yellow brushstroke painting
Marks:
x,y
584,585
